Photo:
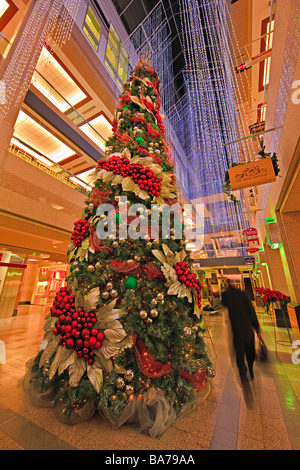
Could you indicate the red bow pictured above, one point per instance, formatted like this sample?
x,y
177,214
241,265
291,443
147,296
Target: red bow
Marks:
x,y
147,365
199,379
96,243
134,267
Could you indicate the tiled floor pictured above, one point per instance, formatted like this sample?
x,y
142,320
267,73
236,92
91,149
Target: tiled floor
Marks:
x,y
264,417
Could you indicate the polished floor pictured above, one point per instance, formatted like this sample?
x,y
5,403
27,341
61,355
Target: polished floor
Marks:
x,y
265,415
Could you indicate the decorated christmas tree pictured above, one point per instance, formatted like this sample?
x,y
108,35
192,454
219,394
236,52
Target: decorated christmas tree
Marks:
x,y
124,337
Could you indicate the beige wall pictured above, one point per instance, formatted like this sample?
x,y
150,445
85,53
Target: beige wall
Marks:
x,y
281,198
31,193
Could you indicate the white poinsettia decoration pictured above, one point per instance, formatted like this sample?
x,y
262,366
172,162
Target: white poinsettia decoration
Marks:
x,y
114,342
169,260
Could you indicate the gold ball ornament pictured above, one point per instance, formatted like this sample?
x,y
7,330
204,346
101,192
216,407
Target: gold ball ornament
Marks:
x,y
115,244
91,268
109,286
113,293
210,372
143,314
129,389
187,330
153,313
160,296
105,295
129,375
153,302
148,321
120,383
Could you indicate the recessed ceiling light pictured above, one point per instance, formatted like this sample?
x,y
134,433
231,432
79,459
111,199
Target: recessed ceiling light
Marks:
x,y
57,207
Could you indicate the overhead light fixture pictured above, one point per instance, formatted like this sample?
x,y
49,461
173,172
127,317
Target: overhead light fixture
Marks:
x,y
86,186
39,141
3,7
53,81
98,130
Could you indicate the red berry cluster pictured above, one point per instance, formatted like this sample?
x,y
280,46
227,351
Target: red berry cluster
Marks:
x,y
189,279
80,232
141,175
75,327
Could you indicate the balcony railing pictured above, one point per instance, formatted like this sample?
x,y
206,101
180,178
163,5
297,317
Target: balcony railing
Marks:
x,y
54,169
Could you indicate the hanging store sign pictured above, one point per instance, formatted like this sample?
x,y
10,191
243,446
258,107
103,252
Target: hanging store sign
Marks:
x,y
251,174
250,237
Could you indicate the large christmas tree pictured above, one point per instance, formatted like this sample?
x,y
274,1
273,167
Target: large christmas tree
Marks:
x,y
125,335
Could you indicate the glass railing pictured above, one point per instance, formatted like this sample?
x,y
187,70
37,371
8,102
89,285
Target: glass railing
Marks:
x,y
42,162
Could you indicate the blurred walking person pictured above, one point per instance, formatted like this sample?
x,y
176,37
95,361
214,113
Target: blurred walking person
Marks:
x,y
244,323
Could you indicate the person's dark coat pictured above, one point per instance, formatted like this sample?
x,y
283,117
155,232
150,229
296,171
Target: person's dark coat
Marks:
x,y
241,313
